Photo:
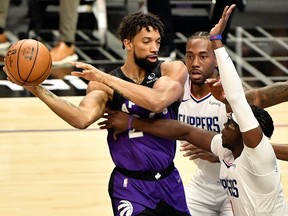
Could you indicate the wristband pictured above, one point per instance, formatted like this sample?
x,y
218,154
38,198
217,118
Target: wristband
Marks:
x,y
130,122
215,37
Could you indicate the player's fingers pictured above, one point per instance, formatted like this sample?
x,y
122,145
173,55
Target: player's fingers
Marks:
x,y
115,135
184,148
82,65
105,125
4,69
194,151
76,73
109,111
183,144
210,80
195,156
218,83
105,116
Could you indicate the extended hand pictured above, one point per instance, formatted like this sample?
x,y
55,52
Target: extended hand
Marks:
x,y
220,26
216,89
117,120
28,87
193,153
89,72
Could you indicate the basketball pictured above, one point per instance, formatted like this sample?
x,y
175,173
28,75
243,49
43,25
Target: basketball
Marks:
x,y
28,62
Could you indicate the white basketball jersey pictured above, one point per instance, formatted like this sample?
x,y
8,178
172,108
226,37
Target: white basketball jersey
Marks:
x,y
207,113
252,181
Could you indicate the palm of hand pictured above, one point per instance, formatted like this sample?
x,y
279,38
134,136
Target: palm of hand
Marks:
x,y
220,26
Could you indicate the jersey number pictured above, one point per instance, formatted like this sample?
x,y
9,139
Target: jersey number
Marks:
x,y
231,186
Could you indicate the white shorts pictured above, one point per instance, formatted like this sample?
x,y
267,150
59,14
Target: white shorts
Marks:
x,y
206,198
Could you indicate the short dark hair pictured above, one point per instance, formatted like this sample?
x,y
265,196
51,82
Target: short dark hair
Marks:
x,y
265,120
199,34
134,23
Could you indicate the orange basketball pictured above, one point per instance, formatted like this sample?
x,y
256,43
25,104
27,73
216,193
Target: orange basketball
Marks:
x,y
28,62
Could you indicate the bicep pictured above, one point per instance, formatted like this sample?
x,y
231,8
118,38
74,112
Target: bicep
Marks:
x,y
174,76
170,89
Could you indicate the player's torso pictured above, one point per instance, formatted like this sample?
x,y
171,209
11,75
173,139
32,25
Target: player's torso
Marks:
x,y
135,150
207,113
242,189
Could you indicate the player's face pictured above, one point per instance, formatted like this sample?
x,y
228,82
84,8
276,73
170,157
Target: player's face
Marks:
x,y
200,60
146,46
231,134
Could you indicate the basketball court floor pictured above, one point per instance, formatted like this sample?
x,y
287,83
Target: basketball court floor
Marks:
x,y
49,168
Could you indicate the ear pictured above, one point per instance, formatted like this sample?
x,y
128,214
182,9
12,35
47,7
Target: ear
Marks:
x,y
127,44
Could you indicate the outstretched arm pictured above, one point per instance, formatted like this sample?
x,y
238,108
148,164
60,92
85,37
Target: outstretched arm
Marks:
x,y
262,97
265,97
232,85
193,152
166,90
167,128
90,109
281,151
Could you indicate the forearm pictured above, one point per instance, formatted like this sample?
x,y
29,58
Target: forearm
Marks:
x,y
233,89
63,108
154,99
170,129
281,151
265,97
177,130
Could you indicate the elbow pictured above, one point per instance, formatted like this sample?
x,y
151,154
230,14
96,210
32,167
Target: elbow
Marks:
x,y
81,125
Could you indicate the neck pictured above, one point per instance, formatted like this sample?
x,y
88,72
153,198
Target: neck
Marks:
x,y
199,91
134,73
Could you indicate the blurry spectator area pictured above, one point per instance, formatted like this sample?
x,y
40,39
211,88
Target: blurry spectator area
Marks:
x,y
92,16
257,40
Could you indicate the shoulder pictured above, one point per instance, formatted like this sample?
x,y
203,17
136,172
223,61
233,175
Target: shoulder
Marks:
x,y
176,70
173,65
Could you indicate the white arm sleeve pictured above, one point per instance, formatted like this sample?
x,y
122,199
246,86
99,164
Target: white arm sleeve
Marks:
x,y
234,92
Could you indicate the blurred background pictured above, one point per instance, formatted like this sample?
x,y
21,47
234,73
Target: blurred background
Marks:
x,y
47,167
257,38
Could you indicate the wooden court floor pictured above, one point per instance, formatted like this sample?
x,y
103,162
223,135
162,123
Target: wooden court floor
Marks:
x,y
49,168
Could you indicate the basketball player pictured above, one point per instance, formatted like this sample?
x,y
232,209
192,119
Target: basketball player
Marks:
x,y
251,181
204,193
145,87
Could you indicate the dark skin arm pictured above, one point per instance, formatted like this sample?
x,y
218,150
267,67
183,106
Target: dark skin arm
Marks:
x,y
170,129
173,129
269,95
262,97
194,152
281,151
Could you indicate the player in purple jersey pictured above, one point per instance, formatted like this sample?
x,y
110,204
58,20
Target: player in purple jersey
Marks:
x,y
144,181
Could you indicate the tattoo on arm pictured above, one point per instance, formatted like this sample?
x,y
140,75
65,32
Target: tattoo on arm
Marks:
x,y
268,94
53,96
265,97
